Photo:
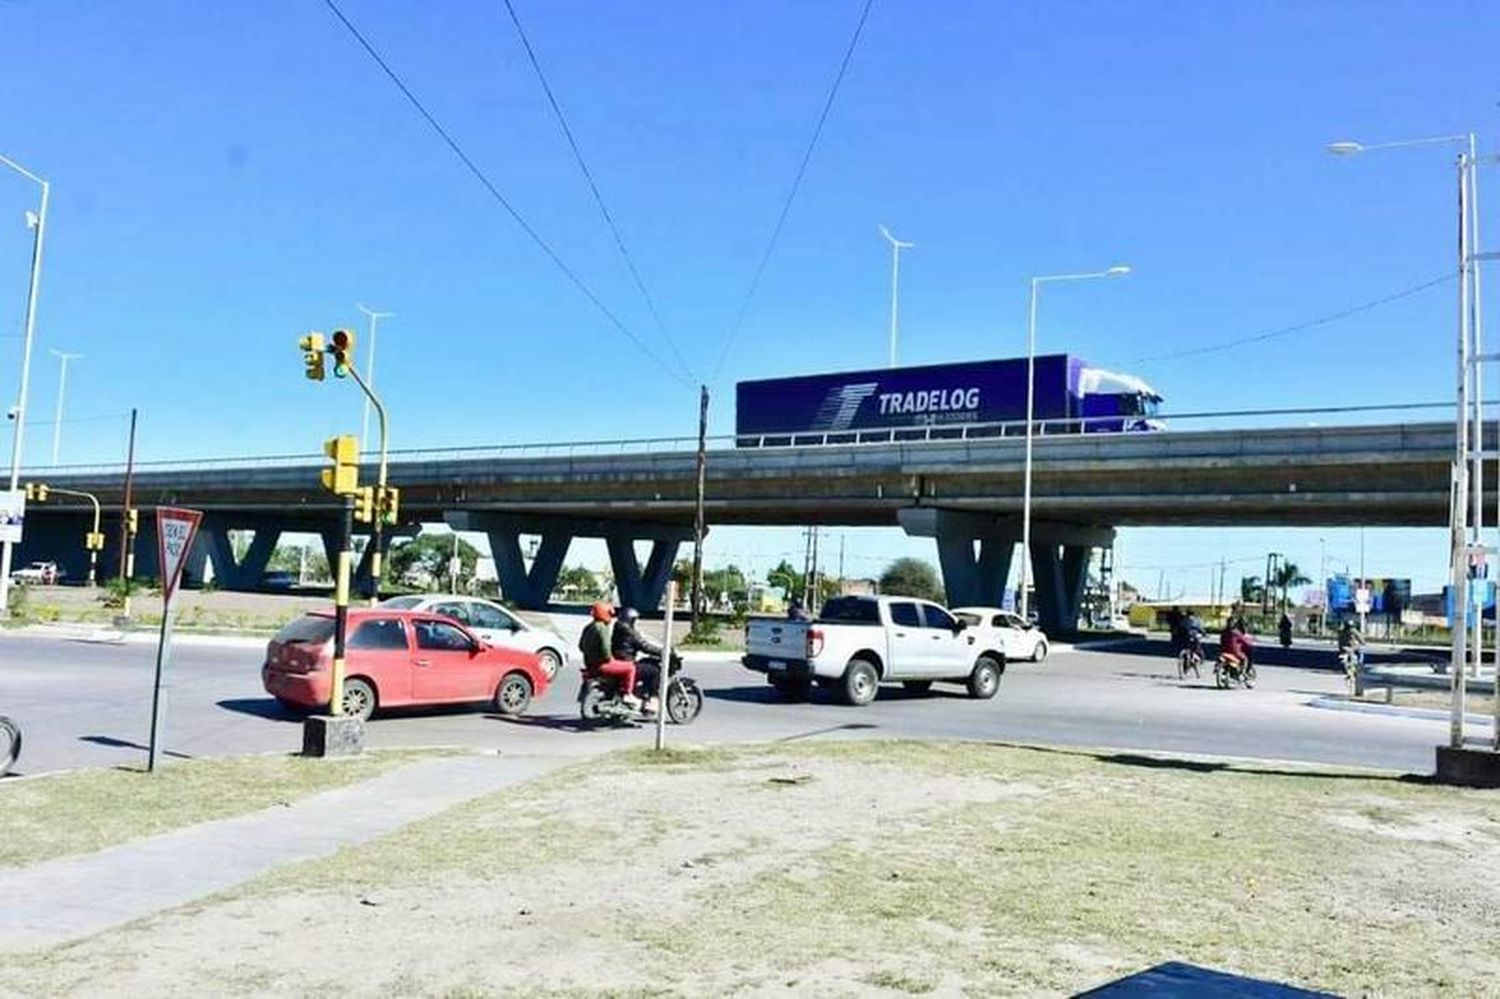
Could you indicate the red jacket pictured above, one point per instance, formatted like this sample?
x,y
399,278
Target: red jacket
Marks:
x,y
1235,643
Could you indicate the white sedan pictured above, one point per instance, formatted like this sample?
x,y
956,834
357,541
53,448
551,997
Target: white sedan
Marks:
x,y
1019,639
493,623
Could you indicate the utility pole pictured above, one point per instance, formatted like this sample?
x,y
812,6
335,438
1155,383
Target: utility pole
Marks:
x,y
842,539
702,471
128,517
812,589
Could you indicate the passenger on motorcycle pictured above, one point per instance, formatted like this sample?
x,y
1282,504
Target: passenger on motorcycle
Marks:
x,y
1235,645
1350,641
1176,629
626,643
596,643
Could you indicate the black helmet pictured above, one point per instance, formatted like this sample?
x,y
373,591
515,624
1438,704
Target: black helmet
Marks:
x,y
629,615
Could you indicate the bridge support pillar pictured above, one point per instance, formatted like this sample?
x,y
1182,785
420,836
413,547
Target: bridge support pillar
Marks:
x,y
231,573
1059,558
638,587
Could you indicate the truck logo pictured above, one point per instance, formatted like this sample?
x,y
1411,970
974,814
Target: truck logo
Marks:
x,y
841,405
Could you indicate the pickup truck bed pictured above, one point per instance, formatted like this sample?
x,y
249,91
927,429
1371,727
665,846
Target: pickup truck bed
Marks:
x,y
861,642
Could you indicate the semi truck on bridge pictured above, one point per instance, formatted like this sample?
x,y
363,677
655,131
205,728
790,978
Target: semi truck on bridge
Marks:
x,y
1071,396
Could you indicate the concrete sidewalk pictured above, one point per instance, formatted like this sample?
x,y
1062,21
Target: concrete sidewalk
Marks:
x,y
72,897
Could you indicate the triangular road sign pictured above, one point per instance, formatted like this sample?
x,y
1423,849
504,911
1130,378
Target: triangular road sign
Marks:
x,y
175,531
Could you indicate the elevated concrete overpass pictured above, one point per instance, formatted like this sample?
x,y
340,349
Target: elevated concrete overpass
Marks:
x,y
965,493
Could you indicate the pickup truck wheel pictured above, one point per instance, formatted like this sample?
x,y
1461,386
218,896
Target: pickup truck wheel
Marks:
x,y
791,689
861,683
917,686
984,681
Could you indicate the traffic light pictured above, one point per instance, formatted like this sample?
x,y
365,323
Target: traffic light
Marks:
x,y
36,491
343,477
312,355
94,541
390,503
364,504
132,520
342,348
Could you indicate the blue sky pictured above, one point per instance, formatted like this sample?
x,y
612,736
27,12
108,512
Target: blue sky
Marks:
x,y
227,176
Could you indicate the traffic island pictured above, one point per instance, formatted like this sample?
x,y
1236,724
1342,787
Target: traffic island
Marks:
x,y
333,735
1468,767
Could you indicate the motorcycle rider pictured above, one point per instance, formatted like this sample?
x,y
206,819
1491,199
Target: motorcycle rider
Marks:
x,y
1176,629
626,643
1350,640
1234,645
1192,629
596,644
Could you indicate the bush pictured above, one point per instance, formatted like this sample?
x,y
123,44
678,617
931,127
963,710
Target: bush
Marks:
x,y
114,592
20,602
706,633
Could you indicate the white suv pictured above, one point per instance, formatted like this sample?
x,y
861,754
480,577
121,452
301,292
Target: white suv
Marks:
x,y
493,623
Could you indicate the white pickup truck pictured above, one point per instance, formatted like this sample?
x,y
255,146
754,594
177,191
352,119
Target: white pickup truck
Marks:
x,y
858,643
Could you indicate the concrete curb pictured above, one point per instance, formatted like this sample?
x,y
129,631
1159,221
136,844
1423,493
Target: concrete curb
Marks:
x,y
145,636
1392,710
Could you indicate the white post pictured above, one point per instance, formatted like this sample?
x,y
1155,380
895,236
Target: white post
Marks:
x,y
1458,520
1026,486
19,432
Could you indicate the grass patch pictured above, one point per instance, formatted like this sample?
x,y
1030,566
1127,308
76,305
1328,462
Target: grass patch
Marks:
x,y
83,811
904,867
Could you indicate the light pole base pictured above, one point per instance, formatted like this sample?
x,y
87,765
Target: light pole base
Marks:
x,y
332,735
1468,767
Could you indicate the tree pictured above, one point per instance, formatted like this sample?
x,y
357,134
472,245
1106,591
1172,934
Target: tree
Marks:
x,y
1250,590
728,582
788,580
911,577
1287,576
427,555
288,558
579,582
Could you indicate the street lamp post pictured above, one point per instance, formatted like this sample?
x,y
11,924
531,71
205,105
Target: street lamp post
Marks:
x,y
1037,282
62,388
38,223
896,247
375,318
1461,531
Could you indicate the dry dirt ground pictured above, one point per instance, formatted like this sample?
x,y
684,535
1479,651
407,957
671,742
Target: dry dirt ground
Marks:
x,y
844,868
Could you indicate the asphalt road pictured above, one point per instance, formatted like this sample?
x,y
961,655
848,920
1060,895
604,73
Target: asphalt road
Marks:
x,y
85,703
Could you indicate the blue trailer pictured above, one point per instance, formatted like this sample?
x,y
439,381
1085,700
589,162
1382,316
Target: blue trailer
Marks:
x,y
976,398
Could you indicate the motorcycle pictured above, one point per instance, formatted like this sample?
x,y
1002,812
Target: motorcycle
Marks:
x,y
599,697
1229,670
10,744
1191,657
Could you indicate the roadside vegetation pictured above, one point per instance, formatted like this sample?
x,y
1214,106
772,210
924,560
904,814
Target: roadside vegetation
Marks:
x,y
860,867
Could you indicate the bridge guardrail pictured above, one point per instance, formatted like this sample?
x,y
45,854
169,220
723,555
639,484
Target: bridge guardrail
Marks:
x,y
935,433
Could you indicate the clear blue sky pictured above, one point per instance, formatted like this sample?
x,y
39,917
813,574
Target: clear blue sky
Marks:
x,y
227,176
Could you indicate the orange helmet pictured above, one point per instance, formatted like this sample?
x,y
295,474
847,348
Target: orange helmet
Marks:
x,y
601,611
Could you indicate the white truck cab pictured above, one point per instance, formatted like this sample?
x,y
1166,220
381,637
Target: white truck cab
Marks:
x,y
858,643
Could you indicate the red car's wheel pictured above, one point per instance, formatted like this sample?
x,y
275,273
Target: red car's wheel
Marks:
x,y
513,696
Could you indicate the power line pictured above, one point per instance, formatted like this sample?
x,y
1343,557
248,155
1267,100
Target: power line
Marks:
x,y
489,186
786,207
588,175
1299,327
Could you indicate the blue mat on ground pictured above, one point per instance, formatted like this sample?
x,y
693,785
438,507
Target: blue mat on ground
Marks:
x,y
1175,979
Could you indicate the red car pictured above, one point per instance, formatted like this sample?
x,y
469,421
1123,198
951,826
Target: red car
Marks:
x,y
397,658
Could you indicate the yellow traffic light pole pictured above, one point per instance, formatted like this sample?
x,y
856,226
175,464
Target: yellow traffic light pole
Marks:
x,y
94,540
343,481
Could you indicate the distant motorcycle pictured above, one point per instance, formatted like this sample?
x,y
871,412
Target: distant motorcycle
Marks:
x,y
1230,670
600,697
1351,659
10,744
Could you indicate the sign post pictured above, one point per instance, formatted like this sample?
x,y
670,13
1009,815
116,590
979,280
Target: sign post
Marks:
x,y
666,669
175,531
